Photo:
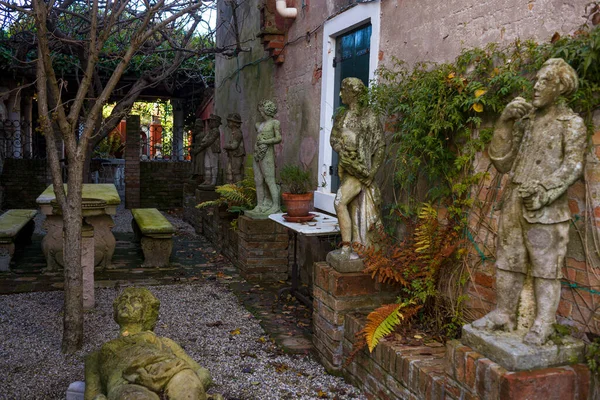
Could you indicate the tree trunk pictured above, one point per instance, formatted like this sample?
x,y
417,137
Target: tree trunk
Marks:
x,y
73,306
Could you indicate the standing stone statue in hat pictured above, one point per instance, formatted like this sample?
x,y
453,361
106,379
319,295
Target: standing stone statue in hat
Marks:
x,y
197,152
212,143
541,146
235,149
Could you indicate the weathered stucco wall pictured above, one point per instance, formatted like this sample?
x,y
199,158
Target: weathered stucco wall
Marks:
x,y
432,30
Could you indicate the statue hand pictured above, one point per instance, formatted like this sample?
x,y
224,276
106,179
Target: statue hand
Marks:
x,y
516,109
534,196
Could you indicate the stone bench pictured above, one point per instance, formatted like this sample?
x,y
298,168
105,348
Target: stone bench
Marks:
x,y
155,233
16,226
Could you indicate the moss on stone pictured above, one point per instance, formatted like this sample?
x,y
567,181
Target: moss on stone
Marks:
x,y
103,191
150,220
12,221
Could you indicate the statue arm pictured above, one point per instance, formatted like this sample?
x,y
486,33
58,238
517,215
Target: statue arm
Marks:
x,y
202,372
571,169
276,134
93,384
508,134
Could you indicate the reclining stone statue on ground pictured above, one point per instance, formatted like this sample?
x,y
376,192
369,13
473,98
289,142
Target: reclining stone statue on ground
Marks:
x,y
139,364
541,146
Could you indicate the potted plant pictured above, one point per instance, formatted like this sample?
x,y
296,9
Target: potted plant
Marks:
x,y
296,180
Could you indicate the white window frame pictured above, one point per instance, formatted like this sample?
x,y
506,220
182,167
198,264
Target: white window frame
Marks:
x,y
358,15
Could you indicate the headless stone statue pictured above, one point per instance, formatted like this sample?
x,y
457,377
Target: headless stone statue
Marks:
x,y
139,364
357,136
267,192
235,149
541,146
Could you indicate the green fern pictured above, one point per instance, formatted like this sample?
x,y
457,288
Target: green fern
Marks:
x,y
383,320
237,196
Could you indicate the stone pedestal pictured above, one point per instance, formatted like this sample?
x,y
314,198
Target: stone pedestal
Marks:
x,y
508,349
262,250
337,294
87,265
475,376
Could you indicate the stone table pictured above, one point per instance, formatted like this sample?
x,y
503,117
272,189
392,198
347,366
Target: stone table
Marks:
x,y
100,220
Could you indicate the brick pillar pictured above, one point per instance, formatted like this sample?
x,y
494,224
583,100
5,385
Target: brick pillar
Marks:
x,y
337,294
262,250
132,162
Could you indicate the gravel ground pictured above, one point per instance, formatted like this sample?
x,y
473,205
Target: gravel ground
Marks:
x,y
204,318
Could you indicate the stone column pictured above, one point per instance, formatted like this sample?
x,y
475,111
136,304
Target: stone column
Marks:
x,y
87,265
340,288
177,130
27,126
14,116
132,162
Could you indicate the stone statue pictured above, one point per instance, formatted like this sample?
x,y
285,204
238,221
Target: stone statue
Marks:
x,y
235,149
211,144
357,136
197,151
541,146
267,192
139,364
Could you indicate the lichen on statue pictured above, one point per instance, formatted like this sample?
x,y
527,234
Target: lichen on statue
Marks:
x,y
268,135
357,136
139,364
541,146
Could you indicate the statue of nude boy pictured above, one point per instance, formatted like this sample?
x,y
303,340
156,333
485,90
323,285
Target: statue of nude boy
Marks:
x,y
541,146
139,365
267,192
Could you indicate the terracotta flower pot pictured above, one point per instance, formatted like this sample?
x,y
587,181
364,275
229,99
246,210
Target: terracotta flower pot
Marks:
x,y
297,204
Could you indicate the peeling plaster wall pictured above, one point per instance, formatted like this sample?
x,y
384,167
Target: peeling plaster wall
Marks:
x,y
242,82
432,30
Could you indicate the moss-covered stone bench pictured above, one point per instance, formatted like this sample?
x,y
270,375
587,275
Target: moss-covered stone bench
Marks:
x,y
155,233
16,226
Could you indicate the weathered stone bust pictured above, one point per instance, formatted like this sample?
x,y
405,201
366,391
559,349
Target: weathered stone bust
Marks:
x,y
268,135
139,364
235,149
357,136
541,146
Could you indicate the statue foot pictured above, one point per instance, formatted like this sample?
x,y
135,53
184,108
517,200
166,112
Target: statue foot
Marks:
x,y
272,210
496,319
345,253
539,333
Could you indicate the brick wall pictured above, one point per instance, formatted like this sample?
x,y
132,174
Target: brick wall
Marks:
x,y
132,162
161,183
454,371
23,181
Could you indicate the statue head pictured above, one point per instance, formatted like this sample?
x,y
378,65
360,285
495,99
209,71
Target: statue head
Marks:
x,y
268,107
136,306
214,121
234,120
554,79
352,89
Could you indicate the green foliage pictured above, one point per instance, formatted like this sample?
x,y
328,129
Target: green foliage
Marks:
x,y
295,178
237,196
437,111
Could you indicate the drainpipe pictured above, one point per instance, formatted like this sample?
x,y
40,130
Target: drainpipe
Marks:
x,y
284,10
